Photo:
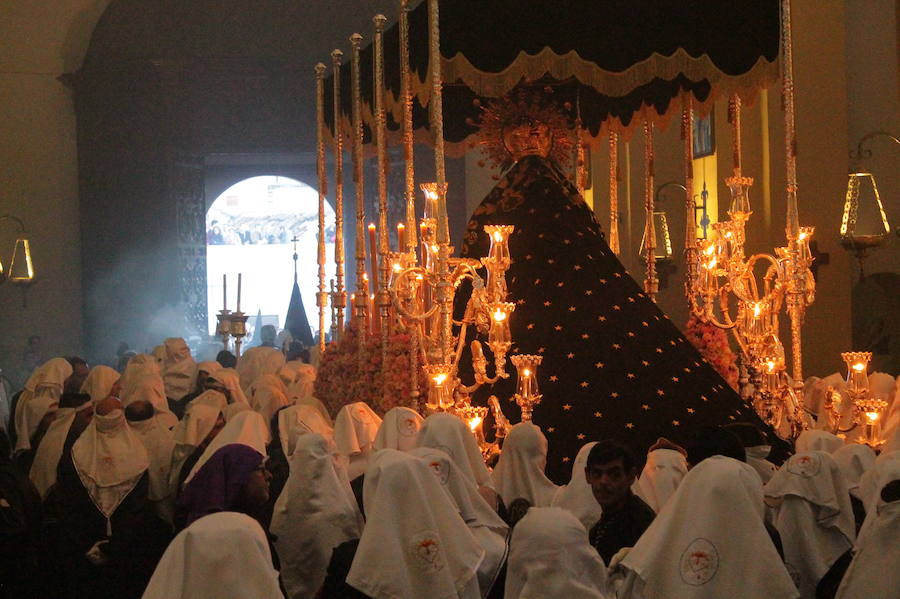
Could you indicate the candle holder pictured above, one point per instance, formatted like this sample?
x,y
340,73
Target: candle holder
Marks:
x,y
527,393
224,326
440,387
238,330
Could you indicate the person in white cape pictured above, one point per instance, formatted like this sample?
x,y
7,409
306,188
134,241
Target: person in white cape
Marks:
x,y
873,573
414,544
520,469
227,551
662,473
815,440
101,382
50,451
256,362
267,395
315,513
145,422
39,400
813,515
151,389
246,428
708,542
354,434
179,370
550,557
489,529
577,496
399,429
202,421
854,460
451,435
298,420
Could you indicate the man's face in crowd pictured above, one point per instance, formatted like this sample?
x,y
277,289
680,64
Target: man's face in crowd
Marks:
x,y
609,482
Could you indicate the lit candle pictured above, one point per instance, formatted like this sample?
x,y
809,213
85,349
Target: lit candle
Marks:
x,y
373,256
401,237
239,293
224,292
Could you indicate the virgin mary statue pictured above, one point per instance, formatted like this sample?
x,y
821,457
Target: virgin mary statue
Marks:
x,y
614,365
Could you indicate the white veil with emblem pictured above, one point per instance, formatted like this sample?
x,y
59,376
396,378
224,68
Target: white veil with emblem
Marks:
x,y
414,544
709,541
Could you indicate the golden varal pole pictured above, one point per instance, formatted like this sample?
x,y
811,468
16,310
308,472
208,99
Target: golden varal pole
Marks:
x,y
412,234
796,295
614,192
322,295
690,213
412,239
339,297
444,286
360,305
651,283
383,297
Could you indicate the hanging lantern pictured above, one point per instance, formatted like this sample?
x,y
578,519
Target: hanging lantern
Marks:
x,y
662,239
864,223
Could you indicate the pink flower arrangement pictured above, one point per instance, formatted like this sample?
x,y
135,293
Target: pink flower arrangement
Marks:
x,y
712,343
349,373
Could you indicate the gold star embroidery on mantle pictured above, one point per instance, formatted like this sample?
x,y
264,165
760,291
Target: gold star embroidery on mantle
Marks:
x,y
548,303
645,407
599,365
629,425
584,384
553,378
557,327
570,355
567,407
579,436
598,414
585,336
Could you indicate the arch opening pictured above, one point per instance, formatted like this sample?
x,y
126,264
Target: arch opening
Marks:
x,y
251,229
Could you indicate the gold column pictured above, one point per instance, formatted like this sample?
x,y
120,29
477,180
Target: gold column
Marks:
x,y
339,297
322,295
361,300
690,213
383,297
651,283
796,298
412,242
614,192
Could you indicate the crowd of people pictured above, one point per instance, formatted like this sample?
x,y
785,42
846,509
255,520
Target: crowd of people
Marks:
x,y
181,480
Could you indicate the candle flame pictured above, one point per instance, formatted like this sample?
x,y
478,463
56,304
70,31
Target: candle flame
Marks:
x,y
498,236
439,378
474,423
431,195
526,372
757,308
872,416
371,226
771,366
802,235
396,266
434,247
499,315
710,250
859,366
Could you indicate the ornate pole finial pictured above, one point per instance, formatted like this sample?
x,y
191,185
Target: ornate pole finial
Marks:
x,y
651,283
412,242
321,295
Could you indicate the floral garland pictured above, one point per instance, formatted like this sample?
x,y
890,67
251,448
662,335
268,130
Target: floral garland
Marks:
x,y
712,343
345,376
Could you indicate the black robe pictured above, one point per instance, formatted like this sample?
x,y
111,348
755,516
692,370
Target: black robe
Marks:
x,y
614,366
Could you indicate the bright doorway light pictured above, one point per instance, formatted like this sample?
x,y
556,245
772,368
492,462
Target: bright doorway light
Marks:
x,y
249,229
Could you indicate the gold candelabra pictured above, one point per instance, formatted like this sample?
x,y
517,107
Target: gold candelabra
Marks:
x,y
759,285
867,409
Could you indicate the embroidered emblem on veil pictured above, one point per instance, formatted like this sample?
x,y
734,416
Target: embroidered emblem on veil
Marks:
x,y
699,562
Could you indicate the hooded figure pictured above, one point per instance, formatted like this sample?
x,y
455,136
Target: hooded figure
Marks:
x,y
160,444
520,469
224,551
101,382
221,483
399,429
414,544
451,435
150,389
709,541
268,395
228,382
246,428
192,435
179,371
577,496
315,513
613,363
550,557
354,434
299,378
488,528
663,472
813,515
39,397
815,440
256,362
50,451
296,421
138,367
854,459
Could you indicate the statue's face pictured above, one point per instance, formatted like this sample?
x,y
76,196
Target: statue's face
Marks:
x,y
528,139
